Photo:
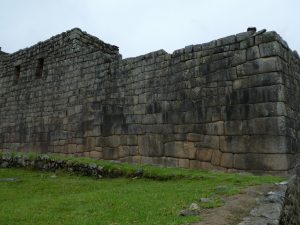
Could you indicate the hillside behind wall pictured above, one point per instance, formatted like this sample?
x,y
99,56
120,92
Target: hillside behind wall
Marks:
x,y
230,103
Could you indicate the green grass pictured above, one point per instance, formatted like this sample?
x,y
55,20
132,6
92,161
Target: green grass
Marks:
x,y
40,198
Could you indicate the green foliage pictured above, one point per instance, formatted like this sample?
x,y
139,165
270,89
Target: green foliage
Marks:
x,y
152,172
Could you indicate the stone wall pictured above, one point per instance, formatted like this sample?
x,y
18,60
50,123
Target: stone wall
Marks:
x,y
230,103
290,214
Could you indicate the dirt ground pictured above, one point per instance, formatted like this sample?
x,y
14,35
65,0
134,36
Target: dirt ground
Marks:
x,y
236,207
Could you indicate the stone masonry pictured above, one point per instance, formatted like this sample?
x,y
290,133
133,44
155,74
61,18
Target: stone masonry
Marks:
x,y
231,103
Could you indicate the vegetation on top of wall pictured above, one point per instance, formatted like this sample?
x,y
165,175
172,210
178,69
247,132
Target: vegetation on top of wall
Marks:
x,y
112,169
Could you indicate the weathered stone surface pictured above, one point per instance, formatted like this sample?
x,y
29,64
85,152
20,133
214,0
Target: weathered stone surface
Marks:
x,y
170,162
151,145
184,163
152,160
239,57
262,65
175,149
110,153
291,207
268,208
270,49
204,154
202,106
265,79
255,144
253,53
244,35
216,157
264,126
96,154
263,162
227,160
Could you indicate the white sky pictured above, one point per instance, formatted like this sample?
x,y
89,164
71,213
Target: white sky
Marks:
x,y
141,26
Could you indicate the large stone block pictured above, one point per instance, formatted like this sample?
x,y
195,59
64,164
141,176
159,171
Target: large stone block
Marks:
x,y
194,137
151,145
243,36
226,40
268,126
170,162
268,144
216,158
175,149
255,126
80,148
273,48
262,65
263,162
208,141
71,148
195,164
189,150
204,154
253,53
227,160
124,151
179,149
132,140
175,137
239,57
110,153
135,129
274,93
236,127
96,155
266,37
112,141
214,128
268,109
184,163
90,142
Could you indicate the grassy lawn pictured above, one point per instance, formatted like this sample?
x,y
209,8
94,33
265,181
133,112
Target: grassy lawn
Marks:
x,y
44,198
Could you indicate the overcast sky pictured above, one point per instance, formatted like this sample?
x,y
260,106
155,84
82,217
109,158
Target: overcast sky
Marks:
x,y
141,26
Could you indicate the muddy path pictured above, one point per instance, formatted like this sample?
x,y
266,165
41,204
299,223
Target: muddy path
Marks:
x,y
238,206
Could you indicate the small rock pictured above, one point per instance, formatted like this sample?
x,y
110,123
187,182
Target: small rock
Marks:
x,y
283,183
188,212
194,206
205,200
270,193
53,176
251,29
274,197
4,164
93,165
191,211
10,179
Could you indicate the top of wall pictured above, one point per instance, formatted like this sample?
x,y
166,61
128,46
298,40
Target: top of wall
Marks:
x,y
76,38
241,40
2,54
80,39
